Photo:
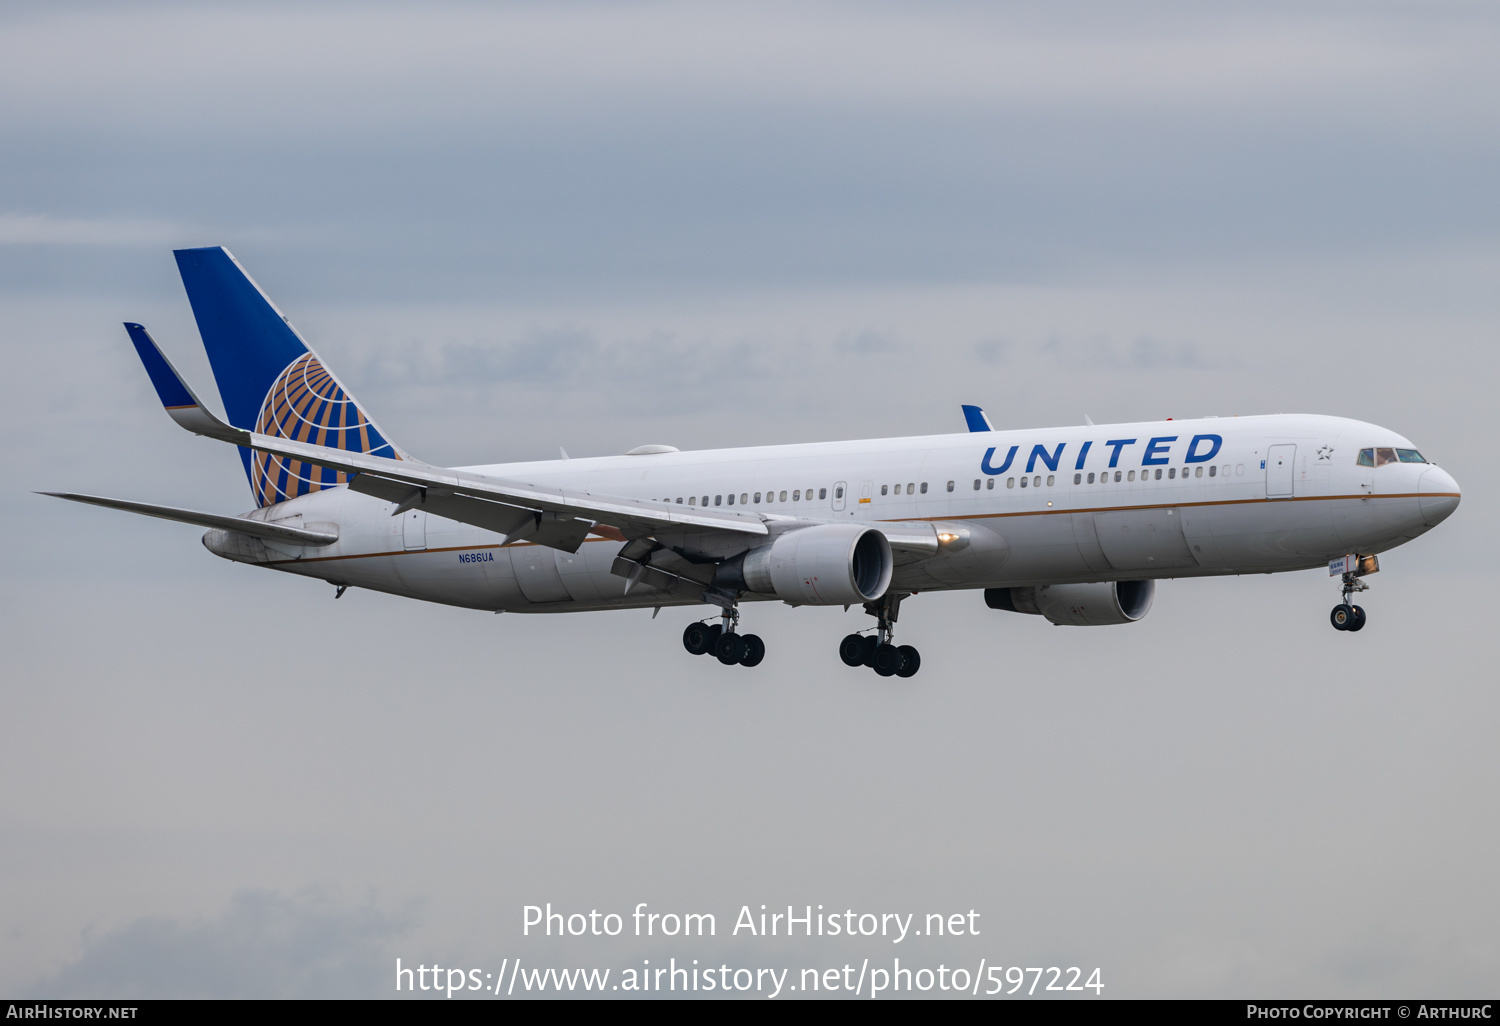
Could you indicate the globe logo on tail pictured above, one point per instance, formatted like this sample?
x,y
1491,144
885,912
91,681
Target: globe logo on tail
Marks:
x,y
306,404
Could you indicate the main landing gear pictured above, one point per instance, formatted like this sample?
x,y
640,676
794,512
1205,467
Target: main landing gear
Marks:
x,y
877,650
721,639
1346,617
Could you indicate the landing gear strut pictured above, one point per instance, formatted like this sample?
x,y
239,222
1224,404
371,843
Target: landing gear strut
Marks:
x,y
1346,617
721,639
878,651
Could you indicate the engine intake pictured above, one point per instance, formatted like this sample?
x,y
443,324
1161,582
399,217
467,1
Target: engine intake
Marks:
x,y
1078,605
827,565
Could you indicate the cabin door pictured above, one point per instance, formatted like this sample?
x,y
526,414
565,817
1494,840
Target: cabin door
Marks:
x,y
1280,468
414,530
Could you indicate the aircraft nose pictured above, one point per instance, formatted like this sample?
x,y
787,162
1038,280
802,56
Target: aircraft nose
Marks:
x,y
1438,495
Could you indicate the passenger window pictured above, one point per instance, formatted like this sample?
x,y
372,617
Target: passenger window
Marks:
x,y
1171,473
976,484
882,489
1050,479
1130,476
1226,470
1117,475
783,497
1409,456
1213,470
743,497
1025,481
1037,481
911,488
719,499
1091,479
1078,478
1198,472
1384,456
1239,470
950,486
1366,458
731,499
1010,482
924,488
989,482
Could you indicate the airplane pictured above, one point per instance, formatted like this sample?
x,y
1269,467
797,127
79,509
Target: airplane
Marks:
x,y
1073,524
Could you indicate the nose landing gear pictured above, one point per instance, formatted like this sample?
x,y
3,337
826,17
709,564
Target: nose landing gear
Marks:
x,y
877,650
727,645
1346,617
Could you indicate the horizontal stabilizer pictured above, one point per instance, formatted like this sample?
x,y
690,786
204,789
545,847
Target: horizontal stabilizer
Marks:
x,y
975,418
254,528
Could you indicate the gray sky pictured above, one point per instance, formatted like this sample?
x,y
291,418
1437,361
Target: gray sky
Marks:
x,y
515,227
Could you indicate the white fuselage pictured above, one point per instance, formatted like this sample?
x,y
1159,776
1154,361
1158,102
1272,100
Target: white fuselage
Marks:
x,y
1273,493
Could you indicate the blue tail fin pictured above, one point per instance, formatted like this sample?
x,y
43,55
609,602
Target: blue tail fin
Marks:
x,y
975,418
269,379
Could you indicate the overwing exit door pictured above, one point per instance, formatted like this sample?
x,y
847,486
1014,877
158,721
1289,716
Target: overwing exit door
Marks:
x,y
1280,466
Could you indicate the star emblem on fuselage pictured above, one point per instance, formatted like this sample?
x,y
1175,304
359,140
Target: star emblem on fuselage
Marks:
x,y
1326,452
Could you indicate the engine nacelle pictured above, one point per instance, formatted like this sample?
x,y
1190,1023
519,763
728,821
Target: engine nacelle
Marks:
x,y
827,565
1078,605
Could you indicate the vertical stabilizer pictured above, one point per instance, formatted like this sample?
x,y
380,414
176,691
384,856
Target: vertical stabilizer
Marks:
x,y
270,381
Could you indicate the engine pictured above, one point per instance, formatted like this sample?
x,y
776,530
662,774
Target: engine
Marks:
x,y
827,565
1078,605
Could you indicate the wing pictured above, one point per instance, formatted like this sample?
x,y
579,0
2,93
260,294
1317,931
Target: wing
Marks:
x,y
556,517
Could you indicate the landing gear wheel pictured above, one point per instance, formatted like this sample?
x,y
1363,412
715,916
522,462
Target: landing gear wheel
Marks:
x,y
887,660
699,638
911,661
1359,619
852,650
1342,616
755,650
871,646
731,648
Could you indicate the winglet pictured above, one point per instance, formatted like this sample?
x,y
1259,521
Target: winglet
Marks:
x,y
181,404
976,419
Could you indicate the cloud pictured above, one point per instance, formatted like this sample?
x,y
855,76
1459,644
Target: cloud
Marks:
x,y
992,351
315,68
40,229
262,945
867,343
1141,354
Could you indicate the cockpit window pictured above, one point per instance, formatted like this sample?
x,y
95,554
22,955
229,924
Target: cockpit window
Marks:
x,y
1384,456
1367,457
1409,456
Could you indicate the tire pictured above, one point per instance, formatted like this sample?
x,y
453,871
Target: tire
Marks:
x,y
1359,619
872,643
911,661
887,660
755,650
1341,617
852,650
730,648
698,638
